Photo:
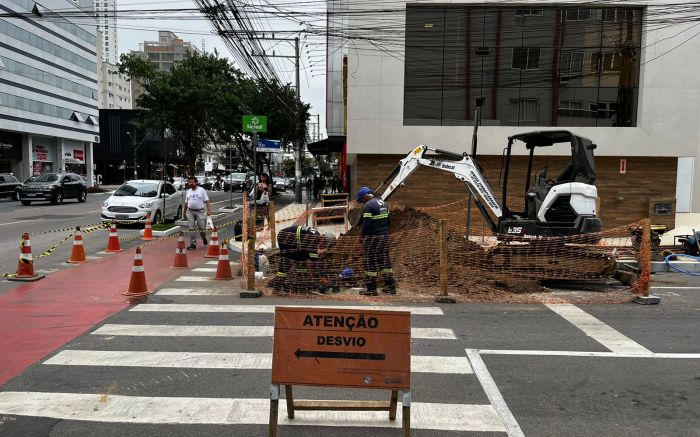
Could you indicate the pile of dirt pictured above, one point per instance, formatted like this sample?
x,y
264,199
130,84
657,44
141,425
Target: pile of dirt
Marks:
x,y
414,252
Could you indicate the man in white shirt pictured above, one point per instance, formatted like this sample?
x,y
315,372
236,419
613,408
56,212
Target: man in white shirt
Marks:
x,y
195,202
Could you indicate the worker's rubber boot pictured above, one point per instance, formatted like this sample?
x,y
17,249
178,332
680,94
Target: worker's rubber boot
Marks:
x,y
369,293
389,285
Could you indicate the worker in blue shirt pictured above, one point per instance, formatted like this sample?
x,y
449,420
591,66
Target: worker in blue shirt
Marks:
x,y
375,240
299,248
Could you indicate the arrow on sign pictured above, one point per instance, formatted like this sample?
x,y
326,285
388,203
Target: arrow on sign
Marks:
x,y
342,355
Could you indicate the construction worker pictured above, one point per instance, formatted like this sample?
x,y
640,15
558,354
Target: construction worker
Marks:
x,y
375,239
300,247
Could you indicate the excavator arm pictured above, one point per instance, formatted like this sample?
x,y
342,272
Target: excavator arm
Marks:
x,y
464,169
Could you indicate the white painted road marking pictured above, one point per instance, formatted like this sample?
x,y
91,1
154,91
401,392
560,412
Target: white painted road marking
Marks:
x,y
494,395
22,221
587,354
220,360
227,411
201,308
233,331
599,331
204,269
198,291
193,279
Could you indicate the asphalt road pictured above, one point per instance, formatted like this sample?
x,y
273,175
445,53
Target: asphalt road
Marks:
x,y
40,217
493,370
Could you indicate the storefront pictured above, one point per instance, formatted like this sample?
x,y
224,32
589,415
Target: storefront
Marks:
x,y
43,155
10,151
74,157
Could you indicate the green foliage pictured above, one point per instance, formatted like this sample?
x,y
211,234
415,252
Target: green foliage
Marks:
x,y
201,101
288,167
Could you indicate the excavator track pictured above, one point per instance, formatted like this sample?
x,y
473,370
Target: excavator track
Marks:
x,y
548,261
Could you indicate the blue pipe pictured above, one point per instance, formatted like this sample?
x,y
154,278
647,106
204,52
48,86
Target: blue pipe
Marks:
x,y
696,258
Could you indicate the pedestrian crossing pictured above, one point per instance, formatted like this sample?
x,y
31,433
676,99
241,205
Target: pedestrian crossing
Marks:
x,y
100,353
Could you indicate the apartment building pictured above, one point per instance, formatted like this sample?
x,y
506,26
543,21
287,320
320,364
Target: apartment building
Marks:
x,y
48,87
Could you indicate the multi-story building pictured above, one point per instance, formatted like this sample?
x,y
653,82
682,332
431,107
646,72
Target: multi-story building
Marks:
x,y
48,87
106,13
115,88
615,73
169,50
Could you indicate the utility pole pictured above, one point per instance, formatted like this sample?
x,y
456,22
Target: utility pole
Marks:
x,y
299,146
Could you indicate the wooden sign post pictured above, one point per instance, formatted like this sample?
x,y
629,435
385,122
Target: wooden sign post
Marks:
x,y
349,348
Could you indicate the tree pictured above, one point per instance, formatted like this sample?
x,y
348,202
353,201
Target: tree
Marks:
x,y
201,101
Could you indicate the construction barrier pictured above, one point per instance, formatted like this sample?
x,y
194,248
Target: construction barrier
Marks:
x,y
180,261
25,265
480,266
77,255
213,248
138,290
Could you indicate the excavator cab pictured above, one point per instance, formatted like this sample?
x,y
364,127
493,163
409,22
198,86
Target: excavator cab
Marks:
x,y
562,206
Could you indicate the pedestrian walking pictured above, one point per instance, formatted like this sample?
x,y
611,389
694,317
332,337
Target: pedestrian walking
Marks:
x,y
375,242
316,186
195,201
309,185
335,184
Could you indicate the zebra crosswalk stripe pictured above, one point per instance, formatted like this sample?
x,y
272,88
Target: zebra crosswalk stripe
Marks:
x,y
220,360
236,411
204,308
233,331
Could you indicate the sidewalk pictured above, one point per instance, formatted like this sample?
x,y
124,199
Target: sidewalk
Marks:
x,y
39,317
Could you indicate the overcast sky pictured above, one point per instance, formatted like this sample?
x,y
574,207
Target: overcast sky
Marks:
x,y
198,31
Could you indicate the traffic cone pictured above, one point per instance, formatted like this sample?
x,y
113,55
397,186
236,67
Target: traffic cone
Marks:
x,y
148,231
78,254
138,290
113,240
25,266
180,261
223,269
213,249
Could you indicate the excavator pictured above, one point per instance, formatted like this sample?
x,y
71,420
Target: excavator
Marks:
x,y
561,207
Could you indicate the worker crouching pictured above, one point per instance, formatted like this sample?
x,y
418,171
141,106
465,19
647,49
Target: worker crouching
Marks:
x,y
300,268
375,240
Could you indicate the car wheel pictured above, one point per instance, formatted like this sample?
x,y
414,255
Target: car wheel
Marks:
x,y
156,218
179,213
82,197
26,202
16,196
57,198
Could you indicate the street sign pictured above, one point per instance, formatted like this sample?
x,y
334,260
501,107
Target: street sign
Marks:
x,y
254,123
342,348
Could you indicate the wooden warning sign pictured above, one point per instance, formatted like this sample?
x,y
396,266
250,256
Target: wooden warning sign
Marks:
x,y
342,347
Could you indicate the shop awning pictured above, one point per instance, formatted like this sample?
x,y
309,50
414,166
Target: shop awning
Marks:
x,y
330,145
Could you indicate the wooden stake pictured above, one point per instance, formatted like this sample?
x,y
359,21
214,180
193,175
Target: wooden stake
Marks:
x,y
250,282
271,222
443,256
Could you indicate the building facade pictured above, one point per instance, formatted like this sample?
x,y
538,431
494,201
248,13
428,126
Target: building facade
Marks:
x,y
115,88
610,73
169,50
48,87
106,13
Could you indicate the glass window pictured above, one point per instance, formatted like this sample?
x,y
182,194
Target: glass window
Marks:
x,y
456,53
526,58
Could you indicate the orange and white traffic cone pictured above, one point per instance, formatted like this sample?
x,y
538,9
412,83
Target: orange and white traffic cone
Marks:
x,y
25,266
180,261
213,249
223,269
113,240
78,254
138,290
147,230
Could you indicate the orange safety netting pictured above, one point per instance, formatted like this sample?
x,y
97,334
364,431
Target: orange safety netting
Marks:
x,y
481,267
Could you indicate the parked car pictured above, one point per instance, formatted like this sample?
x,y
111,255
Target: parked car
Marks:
x,y
290,183
54,187
236,181
280,184
205,182
9,186
180,183
135,199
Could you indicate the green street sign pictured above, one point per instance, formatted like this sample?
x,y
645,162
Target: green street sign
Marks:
x,y
254,123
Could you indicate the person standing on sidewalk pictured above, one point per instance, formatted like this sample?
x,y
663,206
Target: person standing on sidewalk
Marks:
x,y
375,240
195,202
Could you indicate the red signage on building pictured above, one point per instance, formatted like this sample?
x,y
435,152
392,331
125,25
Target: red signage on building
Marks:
x,y
78,154
623,166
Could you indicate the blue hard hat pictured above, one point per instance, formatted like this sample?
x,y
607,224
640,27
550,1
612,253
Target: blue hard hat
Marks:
x,y
362,193
347,273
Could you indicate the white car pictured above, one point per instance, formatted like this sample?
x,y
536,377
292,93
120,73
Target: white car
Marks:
x,y
135,199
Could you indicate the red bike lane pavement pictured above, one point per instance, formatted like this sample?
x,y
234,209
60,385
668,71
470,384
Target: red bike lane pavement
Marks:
x,y
37,318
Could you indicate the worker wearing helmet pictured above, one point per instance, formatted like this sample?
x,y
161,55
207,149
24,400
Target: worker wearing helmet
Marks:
x,y
299,248
375,238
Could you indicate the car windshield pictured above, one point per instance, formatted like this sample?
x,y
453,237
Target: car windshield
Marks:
x,y
139,189
46,177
